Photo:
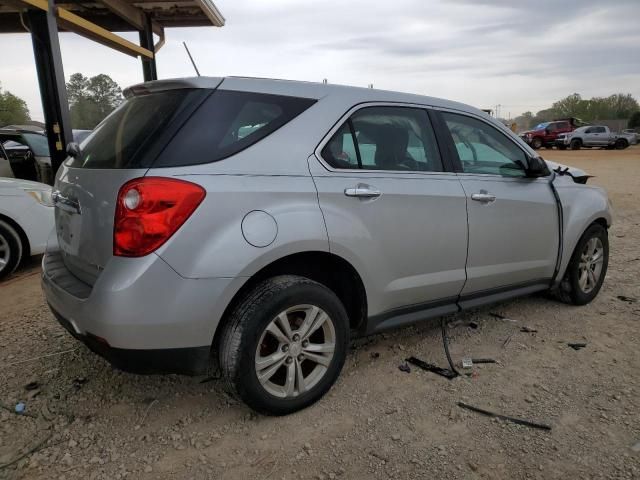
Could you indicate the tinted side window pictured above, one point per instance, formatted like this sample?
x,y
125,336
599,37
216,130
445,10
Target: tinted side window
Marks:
x,y
227,123
124,139
340,152
598,130
484,149
387,138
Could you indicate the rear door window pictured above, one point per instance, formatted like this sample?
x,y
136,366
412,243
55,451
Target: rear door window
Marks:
x,y
386,138
229,122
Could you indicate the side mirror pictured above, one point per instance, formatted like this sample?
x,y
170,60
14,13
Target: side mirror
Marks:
x,y
547,131
73,149
537,167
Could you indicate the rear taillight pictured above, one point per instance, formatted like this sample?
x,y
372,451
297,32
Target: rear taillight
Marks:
x,y
149,210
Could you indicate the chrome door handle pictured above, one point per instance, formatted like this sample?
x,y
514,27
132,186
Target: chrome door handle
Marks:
x,y
362,191
483,197
65,203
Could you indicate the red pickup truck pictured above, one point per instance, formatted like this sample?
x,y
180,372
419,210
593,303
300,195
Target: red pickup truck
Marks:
x,y
545,134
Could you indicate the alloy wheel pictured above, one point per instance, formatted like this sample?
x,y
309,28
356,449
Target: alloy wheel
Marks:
x,y
590,267
4,253
295,351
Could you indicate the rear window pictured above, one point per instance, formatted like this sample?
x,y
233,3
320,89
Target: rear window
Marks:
x,y
227,123
133,134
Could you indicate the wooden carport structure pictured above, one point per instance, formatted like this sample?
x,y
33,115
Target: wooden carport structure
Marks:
x,y
98,20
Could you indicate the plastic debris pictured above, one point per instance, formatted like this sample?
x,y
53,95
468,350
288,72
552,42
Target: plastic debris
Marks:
x,y
519,421
577,346
404,368
429,367
20,408
467,362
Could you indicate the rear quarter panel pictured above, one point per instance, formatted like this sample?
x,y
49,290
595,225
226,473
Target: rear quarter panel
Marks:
x,y
212,244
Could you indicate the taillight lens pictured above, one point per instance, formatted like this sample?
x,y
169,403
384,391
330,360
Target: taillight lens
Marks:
x,y
149,210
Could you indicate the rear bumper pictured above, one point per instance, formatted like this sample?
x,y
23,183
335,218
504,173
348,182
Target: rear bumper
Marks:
x,y
140,311
186,361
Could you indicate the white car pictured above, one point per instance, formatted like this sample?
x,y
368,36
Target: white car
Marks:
x,y
26,220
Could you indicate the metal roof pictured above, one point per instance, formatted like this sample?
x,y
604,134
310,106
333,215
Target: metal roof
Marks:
x,y
108,14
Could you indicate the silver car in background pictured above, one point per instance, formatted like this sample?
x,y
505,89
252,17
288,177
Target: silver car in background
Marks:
x,y
261,224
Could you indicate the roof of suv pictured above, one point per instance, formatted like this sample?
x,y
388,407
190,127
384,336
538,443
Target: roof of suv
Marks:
x,y
298,88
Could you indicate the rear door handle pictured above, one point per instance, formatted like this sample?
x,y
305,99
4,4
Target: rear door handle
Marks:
x,y
363,191
483,197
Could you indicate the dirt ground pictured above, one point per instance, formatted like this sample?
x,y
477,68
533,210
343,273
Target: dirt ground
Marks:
x,y
91,421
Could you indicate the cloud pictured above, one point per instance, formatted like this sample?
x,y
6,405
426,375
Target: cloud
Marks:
x,y
521,54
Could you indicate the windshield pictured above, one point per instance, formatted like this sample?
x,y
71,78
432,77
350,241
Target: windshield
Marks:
x,y
542,126
37,143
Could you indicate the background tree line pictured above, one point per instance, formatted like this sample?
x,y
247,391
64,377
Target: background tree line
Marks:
x,y
618,106
91,99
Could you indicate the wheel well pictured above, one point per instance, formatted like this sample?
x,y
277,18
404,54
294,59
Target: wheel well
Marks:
x,y
328,269
23,236
602,221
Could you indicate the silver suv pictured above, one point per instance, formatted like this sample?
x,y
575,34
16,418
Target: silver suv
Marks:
x,y
261,224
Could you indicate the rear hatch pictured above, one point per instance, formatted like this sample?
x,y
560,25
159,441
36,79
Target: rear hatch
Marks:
x,y
121,148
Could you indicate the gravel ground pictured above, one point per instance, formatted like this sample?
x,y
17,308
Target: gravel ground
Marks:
x,y
91,421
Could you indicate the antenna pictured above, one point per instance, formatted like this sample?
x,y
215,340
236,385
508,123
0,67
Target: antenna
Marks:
x,y
191,58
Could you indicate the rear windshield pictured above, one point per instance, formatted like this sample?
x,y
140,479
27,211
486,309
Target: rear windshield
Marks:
x,y
227,123
133,134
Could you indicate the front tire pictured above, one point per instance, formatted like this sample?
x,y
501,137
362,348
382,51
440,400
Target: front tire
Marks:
x,y
10,249
284,344
587,267
575,144
536,143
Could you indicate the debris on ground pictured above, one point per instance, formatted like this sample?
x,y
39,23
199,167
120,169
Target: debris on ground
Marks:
x,y
502,317
483,360
20,408
624,298
577,346
375,355
79,382
429,367
519,421
403,367
526,329
473,325
467,362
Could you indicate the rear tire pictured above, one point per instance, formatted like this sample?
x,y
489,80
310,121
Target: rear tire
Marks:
x,y
10,249
587,268
621,144
575,144
309,360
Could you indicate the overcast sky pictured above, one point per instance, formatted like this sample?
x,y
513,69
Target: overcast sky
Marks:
x,y
520,54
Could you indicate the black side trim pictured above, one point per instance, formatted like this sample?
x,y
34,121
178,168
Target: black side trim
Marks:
x,y
402,316
496,295
399,317
185,361
449,158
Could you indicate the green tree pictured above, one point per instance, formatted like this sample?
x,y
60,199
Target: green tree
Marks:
x,y
634,120
13,110
91,99
571,106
